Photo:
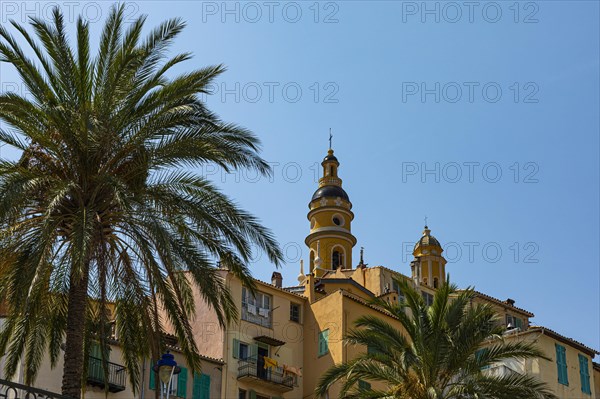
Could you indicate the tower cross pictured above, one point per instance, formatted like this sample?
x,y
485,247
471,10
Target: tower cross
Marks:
x,y
330,137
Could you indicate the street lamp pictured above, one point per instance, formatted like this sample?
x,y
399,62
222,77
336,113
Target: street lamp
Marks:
x,y
166,368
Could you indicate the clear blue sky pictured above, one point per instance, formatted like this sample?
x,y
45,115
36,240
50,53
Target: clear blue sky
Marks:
x,y
411,87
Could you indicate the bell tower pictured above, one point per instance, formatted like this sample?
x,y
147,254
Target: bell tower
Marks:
x,y
330,240
429,266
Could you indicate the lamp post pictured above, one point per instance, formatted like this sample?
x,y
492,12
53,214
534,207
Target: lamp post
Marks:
x,y
166,368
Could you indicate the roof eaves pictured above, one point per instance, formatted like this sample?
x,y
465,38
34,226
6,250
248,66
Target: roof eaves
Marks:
x,y
499,302
562,338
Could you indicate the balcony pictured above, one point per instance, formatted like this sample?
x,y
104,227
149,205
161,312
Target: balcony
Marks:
x,y
249,370
114,379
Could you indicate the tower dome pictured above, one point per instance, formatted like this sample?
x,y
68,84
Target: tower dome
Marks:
x,y
425,242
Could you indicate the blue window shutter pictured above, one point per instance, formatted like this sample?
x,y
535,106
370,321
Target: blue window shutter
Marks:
x,y
363,385
182,383
152,378
561,364
584,375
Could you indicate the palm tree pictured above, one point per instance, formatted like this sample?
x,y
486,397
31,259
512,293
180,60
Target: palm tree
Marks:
x,y
104,204
437,353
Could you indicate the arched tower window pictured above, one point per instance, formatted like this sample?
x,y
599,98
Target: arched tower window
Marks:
x,y
435,282
337,259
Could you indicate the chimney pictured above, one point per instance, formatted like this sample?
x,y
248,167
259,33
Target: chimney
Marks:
x,y
276,279
510,302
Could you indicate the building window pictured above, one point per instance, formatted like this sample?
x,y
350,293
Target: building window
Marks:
x,y
435,282
514,322
584,374
295,312
323,342
178,385
396,288
243,351
561,365
428,298
363,385
242,394
256,309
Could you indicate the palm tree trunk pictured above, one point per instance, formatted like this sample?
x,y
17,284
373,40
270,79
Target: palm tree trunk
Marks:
x,y
74,359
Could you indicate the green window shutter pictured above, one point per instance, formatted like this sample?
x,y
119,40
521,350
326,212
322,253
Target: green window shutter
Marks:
x,y
478,355
371,350
236,348
561,364
95,350
205,386
197,387
363,385
323,342
584,374
519,323
253,352
252,394
152,378
182,383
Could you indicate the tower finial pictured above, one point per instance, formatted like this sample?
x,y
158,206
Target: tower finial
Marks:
x,y
330,137
301,276
425,221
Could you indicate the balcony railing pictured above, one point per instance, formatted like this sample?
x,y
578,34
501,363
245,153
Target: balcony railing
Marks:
x,y
12,390
274,377
114,379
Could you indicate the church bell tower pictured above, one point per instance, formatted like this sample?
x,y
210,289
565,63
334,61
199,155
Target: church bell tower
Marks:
x,y
429,266
330,241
